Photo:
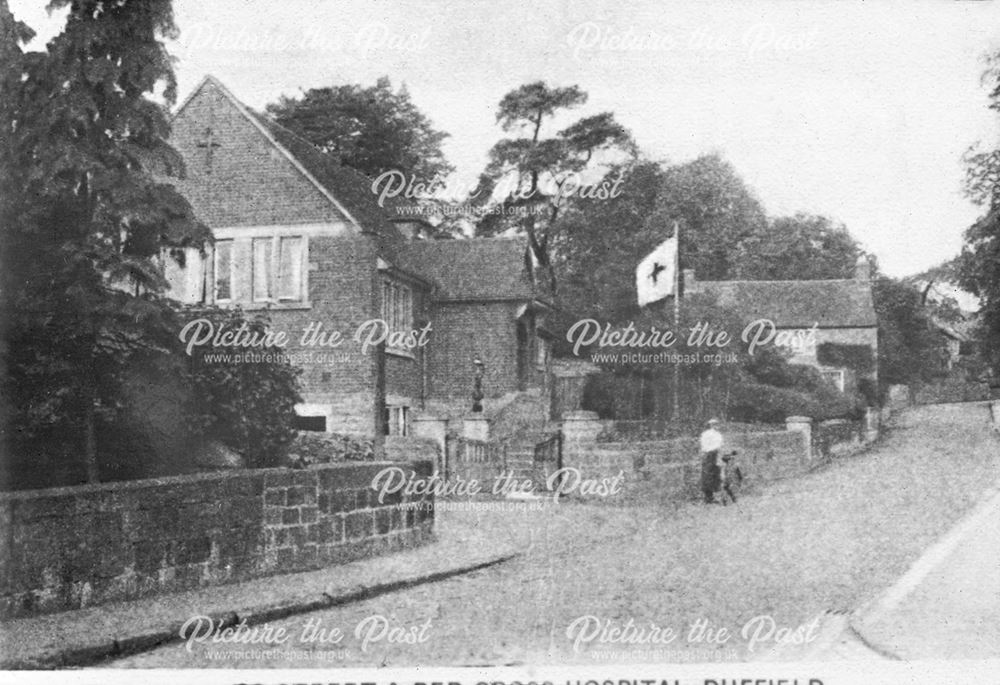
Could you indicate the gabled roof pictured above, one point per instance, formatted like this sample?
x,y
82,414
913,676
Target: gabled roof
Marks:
x,y
842,303
347,189
472,269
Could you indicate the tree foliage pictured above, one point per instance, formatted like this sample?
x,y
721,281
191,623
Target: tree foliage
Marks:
x,y
799,247
909,347
715,210
373,129
84,222
598,243
248,406
531,177
979,263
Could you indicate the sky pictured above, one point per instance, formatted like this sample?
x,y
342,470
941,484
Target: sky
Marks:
x,y
857,111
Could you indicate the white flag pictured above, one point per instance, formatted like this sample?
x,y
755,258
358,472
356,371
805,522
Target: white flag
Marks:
x,y
656,274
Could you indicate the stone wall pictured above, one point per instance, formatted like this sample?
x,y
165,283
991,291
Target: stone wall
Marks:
x,y
68,548
671,468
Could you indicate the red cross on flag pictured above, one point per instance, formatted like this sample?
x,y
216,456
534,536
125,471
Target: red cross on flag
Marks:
x,y
656,275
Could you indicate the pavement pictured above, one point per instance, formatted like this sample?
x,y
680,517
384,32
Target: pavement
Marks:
x,y
946,606
948,603
89,636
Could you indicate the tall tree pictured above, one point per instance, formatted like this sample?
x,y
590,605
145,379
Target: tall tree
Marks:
x,y
83,221
531,177
715,210
799,247
373,129
909,348
979,263
599,241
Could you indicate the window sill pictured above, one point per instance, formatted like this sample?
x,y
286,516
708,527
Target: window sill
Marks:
x,y
273,306
397,352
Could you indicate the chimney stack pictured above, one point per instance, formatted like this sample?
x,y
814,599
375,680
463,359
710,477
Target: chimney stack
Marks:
x,y
687,281
862,269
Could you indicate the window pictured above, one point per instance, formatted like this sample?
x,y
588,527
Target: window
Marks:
x,y
262,270
223,270
396,421
541,352
397,306
277,269
290,252
309,423
835,376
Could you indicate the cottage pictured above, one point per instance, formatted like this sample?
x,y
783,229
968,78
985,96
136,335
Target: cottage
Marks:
x,y
841,312
305,238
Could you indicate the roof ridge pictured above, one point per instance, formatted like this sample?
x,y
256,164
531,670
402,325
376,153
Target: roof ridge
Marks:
x,y
479,239
790,280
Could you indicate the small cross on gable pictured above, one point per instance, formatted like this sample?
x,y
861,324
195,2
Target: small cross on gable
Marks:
x,y
209,144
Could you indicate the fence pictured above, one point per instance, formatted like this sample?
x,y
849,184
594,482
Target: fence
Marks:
x,y
548,457
469,459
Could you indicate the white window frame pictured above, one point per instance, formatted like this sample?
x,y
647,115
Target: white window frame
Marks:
x,y
541,352
215,271
398,423
274,269
303,263
836,376
269,272
397,308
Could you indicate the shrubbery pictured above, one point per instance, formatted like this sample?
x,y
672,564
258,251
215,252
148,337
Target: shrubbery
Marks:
x,y
756,402
309,448
248,406
764,388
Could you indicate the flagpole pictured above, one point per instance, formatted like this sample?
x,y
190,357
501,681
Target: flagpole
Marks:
x,y
675,413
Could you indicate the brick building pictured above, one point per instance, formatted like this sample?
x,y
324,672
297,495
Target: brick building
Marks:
x,y
814,315
303,237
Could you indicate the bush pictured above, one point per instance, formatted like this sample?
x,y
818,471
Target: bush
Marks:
x,y
249,407
755,402
858,358
310,447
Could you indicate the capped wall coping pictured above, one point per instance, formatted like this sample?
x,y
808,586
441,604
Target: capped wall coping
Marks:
x,y
126,485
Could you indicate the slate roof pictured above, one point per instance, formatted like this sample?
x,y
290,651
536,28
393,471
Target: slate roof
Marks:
x,y
472,269
351,187
843,303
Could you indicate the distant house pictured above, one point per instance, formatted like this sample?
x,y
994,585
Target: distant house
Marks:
x,y
841,311
953,342
303,237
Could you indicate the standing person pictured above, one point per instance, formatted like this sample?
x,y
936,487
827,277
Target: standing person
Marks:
x,y
711,460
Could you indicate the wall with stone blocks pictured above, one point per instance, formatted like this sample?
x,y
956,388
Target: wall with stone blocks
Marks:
x,y
671,469
68,548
